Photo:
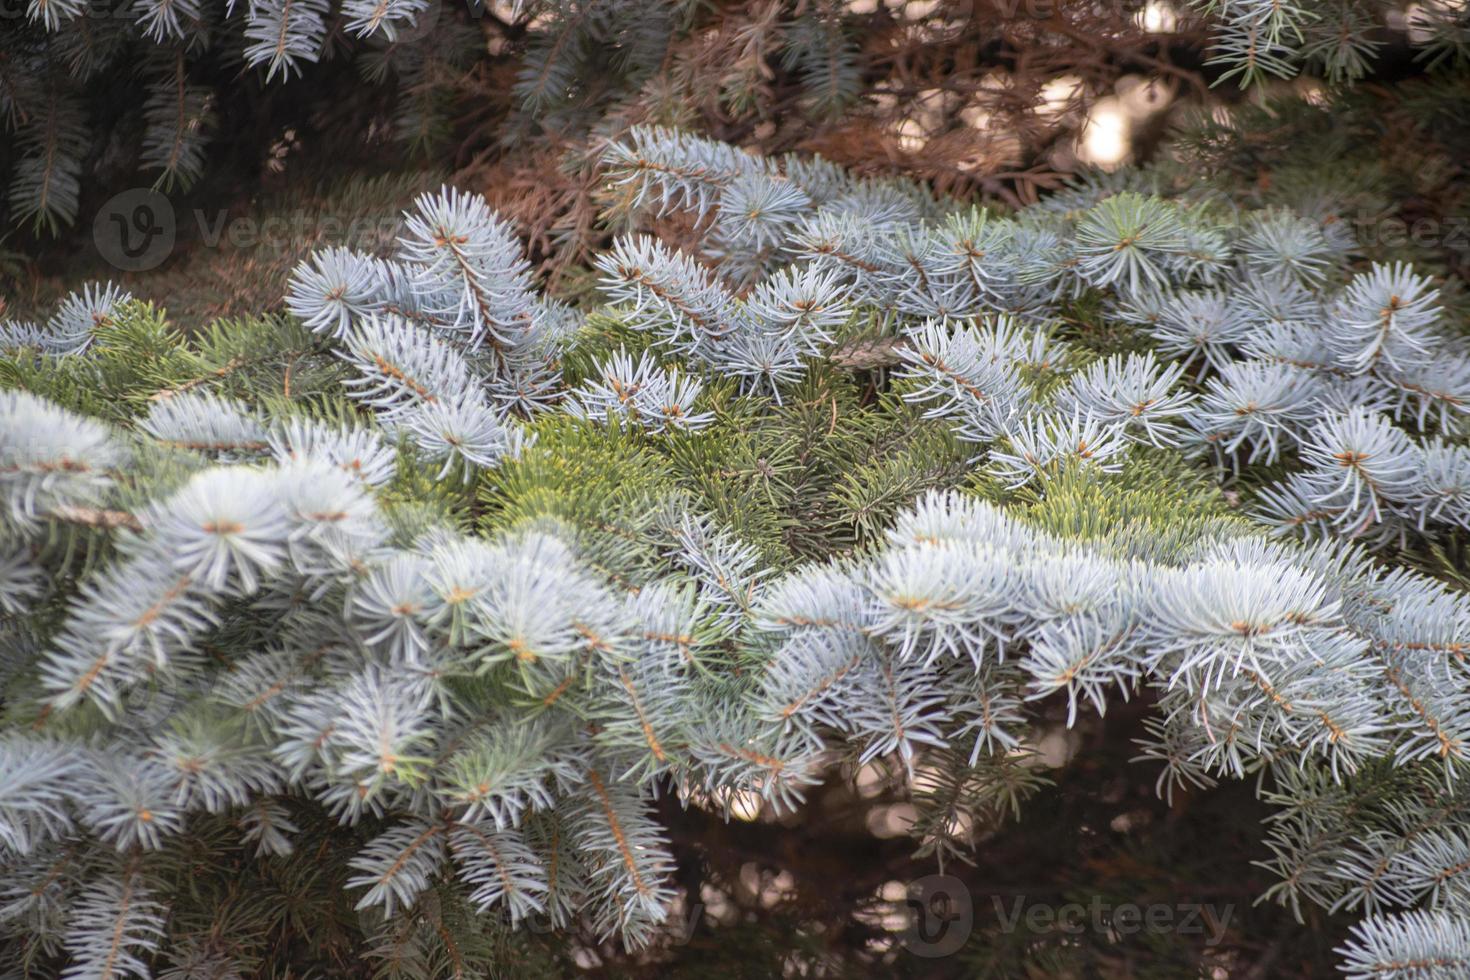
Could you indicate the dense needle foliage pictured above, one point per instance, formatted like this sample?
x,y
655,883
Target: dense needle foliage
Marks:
x,y
429,621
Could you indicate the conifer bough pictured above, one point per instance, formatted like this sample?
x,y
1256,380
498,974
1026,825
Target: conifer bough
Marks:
x,y
436,585
64,64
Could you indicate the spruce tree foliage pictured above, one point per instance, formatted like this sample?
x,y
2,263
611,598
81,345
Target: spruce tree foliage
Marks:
x,y
1335,40
432,591
61,61
91,91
